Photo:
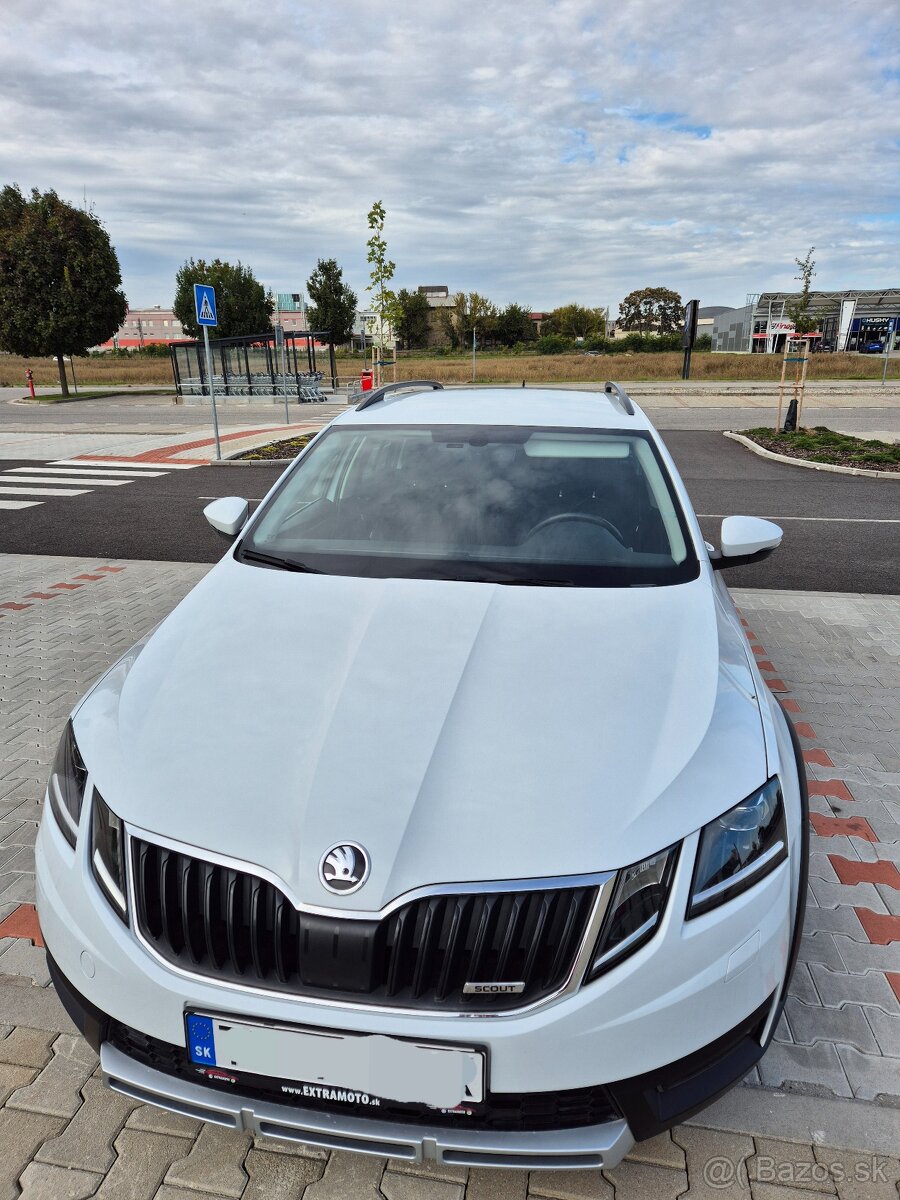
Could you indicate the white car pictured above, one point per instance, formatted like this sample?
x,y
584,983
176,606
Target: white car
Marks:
x,y
449,816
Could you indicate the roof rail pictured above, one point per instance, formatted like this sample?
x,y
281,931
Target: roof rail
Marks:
x,y
380,393
619,397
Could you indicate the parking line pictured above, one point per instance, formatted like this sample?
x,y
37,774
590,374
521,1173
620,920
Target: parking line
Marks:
x,y
20,503
836,520
42,491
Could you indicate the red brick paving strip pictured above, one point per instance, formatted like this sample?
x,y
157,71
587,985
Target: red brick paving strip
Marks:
x,y
776,685
23,923
857,827
852,871
15,607
817,756
167,453
893,978
42,595
791,705
835,788
880,928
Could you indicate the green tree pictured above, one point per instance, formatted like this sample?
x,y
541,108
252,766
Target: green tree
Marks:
x,y
384,302
242,305
471,312
333,301
652,310
411,319
514,324
60,283
798,308
575,321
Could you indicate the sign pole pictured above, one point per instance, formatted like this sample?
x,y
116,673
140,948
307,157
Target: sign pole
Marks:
x,y
212,390
888,346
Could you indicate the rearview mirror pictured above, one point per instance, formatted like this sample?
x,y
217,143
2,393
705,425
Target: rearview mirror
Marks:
x,y
228,515
745,540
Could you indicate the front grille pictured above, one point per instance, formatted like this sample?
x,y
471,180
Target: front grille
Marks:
x,y
520,1111
231,925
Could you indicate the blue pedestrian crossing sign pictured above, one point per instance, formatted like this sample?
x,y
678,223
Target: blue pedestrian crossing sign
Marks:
x,y
205,304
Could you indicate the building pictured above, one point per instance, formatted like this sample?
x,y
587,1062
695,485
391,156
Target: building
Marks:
x,y
290,312
145,327
860,321
437,295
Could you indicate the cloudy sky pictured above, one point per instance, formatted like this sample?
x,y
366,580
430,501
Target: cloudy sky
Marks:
x,y
540,151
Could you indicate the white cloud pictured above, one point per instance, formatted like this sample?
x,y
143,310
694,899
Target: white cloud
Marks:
x,y
536,151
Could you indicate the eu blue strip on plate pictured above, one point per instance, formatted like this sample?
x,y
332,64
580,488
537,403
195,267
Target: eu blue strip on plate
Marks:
x,y
201,1040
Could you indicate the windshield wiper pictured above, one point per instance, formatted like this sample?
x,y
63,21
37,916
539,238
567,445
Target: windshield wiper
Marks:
x,y
273,560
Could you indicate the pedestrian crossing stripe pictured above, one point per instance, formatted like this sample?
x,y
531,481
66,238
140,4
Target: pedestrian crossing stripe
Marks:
x,y
123,463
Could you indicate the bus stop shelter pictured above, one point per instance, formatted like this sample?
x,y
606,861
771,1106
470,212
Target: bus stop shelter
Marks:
x,y
252,366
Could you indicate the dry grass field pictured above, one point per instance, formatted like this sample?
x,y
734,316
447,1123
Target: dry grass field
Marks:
x,y
106,371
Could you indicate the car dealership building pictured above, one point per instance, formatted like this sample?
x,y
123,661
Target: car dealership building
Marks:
x,y
861,321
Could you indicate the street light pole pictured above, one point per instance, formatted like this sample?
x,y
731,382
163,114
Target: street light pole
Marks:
x,y
473,353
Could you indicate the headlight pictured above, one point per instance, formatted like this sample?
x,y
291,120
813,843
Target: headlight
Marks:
x,y
108,854
635,909
738,849
68,776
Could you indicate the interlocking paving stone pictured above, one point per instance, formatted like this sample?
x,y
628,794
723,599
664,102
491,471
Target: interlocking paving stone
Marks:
x,y
661,1151
349,1175
214,1163
641,1181
13,1078
886,1028
27,1047
272,1145
788,1163
859,1176
40,1181
487,1183
142,1160
870,1075
811,1023
87,1141
716,1162
815,1067
151,1119
570,1185
836,989
20,1135
417,1187
279,1176
57,1089
428,1170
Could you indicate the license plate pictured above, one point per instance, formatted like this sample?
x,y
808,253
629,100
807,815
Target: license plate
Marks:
x,y
369,1064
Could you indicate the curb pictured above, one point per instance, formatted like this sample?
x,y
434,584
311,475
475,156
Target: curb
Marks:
x,y
251,462
803,462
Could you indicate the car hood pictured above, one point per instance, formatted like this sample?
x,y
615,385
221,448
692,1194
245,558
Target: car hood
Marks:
x,y
458,731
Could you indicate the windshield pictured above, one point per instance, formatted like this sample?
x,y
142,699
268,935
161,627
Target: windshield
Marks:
x,y
505,504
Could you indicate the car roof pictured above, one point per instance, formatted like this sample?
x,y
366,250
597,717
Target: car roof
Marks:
x,y
563,408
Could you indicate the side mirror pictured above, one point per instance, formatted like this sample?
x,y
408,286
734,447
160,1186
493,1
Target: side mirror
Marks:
x,y
228,515
745,540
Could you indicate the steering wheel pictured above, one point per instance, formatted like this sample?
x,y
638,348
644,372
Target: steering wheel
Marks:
x,y
589,518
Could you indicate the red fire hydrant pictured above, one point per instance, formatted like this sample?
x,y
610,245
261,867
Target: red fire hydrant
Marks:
x,y
365,381
29,379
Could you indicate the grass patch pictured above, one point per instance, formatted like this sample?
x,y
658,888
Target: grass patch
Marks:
x,y
59,398
289,448
101,370
824,445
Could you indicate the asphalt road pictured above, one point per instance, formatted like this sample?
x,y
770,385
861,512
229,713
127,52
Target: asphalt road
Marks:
x,y
842,532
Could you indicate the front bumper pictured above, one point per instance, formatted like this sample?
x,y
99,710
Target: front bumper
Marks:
x,y
640,1107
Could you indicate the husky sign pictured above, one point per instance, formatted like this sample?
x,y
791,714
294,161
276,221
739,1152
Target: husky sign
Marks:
x,y
205,304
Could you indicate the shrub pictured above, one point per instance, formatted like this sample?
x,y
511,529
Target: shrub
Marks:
x,y
553,343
